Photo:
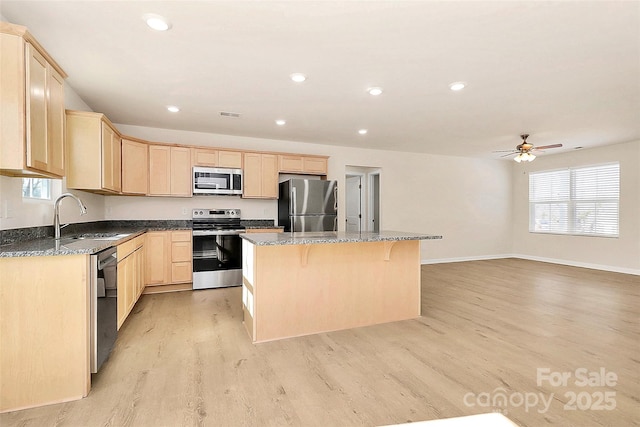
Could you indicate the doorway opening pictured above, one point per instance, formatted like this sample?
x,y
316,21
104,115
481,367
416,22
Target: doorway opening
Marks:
x,y
362,197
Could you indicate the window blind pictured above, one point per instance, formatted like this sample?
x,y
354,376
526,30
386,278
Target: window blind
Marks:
x,y
580,201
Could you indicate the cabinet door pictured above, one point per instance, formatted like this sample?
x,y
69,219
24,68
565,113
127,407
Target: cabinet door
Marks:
x,y
181,272
230,159
36,109
288,163
135,169
55,122
122,305
252,175
158,258
269,172
140,270
159,170
204,157
180,182
315,165
181,251
111,153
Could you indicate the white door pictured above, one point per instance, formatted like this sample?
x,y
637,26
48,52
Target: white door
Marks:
x,y
354,204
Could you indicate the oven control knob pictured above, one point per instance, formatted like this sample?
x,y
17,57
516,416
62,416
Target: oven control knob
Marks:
x,y
231,212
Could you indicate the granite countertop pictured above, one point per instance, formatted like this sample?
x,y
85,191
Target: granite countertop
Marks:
x,y
86,243
269,239
80,238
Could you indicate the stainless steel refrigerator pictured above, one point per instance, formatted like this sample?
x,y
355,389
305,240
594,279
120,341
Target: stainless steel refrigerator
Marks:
x,y
308,205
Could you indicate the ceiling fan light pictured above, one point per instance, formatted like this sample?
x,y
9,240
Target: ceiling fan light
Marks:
x,y
531,157
518,158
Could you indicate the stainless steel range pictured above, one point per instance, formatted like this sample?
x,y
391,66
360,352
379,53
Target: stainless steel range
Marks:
x,y
217,248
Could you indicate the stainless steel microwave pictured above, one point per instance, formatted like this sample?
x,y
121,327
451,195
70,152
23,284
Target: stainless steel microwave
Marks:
x,y
217,181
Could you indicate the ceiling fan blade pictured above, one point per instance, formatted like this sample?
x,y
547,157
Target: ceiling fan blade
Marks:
x,y
548,146
510,154
504,151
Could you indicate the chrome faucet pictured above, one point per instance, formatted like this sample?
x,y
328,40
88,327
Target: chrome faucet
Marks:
x,y
56,212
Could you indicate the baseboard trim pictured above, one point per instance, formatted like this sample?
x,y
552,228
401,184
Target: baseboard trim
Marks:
x,y
614,269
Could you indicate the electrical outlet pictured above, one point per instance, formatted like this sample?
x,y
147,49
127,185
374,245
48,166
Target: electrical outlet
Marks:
x,y
185,211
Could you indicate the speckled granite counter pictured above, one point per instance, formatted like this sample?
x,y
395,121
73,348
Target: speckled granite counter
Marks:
x,y
39,241
268,239
89,244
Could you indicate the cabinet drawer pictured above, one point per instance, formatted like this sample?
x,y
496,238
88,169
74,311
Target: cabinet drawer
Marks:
x,y
125,249
181,236
180,251
181,272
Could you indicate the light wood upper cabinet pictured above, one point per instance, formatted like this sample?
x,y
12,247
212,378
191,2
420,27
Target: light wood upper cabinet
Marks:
x,y
93,153
32,115
216,158
169,171
291,163
181,172
135,167
230,159
111,159
204,157
260,176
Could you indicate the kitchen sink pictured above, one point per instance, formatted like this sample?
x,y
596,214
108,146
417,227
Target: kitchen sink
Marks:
x,y
100,236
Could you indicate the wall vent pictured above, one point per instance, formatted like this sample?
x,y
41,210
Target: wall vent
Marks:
x,y
229,114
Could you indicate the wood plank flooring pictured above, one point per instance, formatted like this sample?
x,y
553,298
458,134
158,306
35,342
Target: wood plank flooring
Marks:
x,y
184,359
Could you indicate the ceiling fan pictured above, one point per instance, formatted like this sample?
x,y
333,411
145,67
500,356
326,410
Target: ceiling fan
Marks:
x,y
524,149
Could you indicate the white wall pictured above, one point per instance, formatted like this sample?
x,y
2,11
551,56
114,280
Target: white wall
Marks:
x,y
468,201
17,213
617,254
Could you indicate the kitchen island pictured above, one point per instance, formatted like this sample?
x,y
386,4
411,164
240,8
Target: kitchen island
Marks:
x,y
298,284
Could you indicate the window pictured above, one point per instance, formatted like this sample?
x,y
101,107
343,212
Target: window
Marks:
x,y
579,201
36,188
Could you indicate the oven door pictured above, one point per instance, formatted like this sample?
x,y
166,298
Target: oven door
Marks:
x,y
217,258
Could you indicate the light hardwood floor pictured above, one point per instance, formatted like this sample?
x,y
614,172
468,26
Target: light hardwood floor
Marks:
x,y
184,359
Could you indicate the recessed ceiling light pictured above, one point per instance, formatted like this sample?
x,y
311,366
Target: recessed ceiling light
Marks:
x,y
156,22
375,91
173,108
298,77
457,86
281,122
362,131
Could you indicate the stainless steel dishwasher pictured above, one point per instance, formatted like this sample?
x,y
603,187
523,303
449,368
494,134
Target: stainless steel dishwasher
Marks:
x,y
104,305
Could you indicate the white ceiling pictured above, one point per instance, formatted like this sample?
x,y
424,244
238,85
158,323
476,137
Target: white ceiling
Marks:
x,y
565,72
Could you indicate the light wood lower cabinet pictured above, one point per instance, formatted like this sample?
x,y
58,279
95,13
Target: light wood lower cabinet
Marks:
x,y
168,260
44,331
130,276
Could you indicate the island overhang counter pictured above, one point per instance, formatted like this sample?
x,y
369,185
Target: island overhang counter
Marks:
x,y
298,284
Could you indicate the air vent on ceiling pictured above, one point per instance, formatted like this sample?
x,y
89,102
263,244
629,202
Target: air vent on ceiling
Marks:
x,y
229,114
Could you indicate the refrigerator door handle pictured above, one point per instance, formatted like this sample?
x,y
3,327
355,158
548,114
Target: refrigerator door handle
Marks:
x,y
335,200
335,223
293,207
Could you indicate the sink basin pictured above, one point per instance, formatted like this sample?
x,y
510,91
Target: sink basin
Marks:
x,y
100,236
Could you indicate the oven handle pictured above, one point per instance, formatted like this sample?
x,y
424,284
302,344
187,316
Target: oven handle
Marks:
x,y
217,232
